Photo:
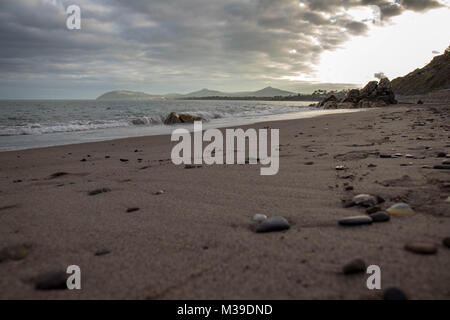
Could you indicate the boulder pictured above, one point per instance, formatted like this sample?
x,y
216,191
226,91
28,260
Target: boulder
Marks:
x,y
369,89
352,96
174,118
329,99
330,105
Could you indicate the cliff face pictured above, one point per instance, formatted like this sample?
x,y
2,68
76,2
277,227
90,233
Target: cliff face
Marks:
x,y
434,76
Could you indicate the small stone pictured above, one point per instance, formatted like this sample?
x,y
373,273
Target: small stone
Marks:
x,y
16,252
354,266
355,220
102,252
259,217
400,209
385,156
191,166
349,188
425,166
409,156
373,210
397,155
380,216
53,280
98,191
441,155
371,165
159,192
124,160
273,224
446,242
340,168
446,162
394,294
83,160
364,200
442,167
309,163
421,247
132,209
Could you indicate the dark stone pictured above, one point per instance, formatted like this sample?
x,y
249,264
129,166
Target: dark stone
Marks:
x,y
57,174
373,209
446,242
102,252
394,294
132,209
442,167
355,221
354,266
385,156
98,191
421,247
331,98
53,280
273,224
380,216
124,160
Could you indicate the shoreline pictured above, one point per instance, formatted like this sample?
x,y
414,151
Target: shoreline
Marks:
x,y
196,240
167,128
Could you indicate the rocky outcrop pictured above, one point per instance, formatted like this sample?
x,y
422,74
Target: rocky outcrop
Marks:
x,y
374,94
174,118
434,76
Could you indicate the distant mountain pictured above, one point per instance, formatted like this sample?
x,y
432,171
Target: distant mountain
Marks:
x,y
434,76
266,92
205,93
132,95
126,95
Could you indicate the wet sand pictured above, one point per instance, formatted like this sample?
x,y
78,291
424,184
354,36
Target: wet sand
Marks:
x,y
196,240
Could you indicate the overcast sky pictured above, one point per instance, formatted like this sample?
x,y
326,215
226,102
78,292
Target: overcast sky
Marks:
x,y
231,45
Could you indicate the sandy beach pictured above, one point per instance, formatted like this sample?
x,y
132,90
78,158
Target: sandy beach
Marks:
x,y
197,241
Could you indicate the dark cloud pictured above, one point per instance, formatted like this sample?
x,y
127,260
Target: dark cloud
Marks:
x,y
159,46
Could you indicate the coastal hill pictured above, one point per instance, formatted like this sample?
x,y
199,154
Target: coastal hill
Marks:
x,y
126,95
131,95
434,76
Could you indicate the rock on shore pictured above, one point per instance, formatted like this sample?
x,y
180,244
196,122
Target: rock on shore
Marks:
x,y
374,94
174,118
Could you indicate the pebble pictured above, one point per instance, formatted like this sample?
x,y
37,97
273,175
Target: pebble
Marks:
x,y
340,168
132,209
355,220
365,200
159,192
16,252
259,217
380,216
309,163
385,156
421,247
400,209
98,191
394,294
425,166
409,156
349,188
102,252
371,165
446,162
442,167
354,266
53,280
398,155
446,242
273,224
373,210
124,160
